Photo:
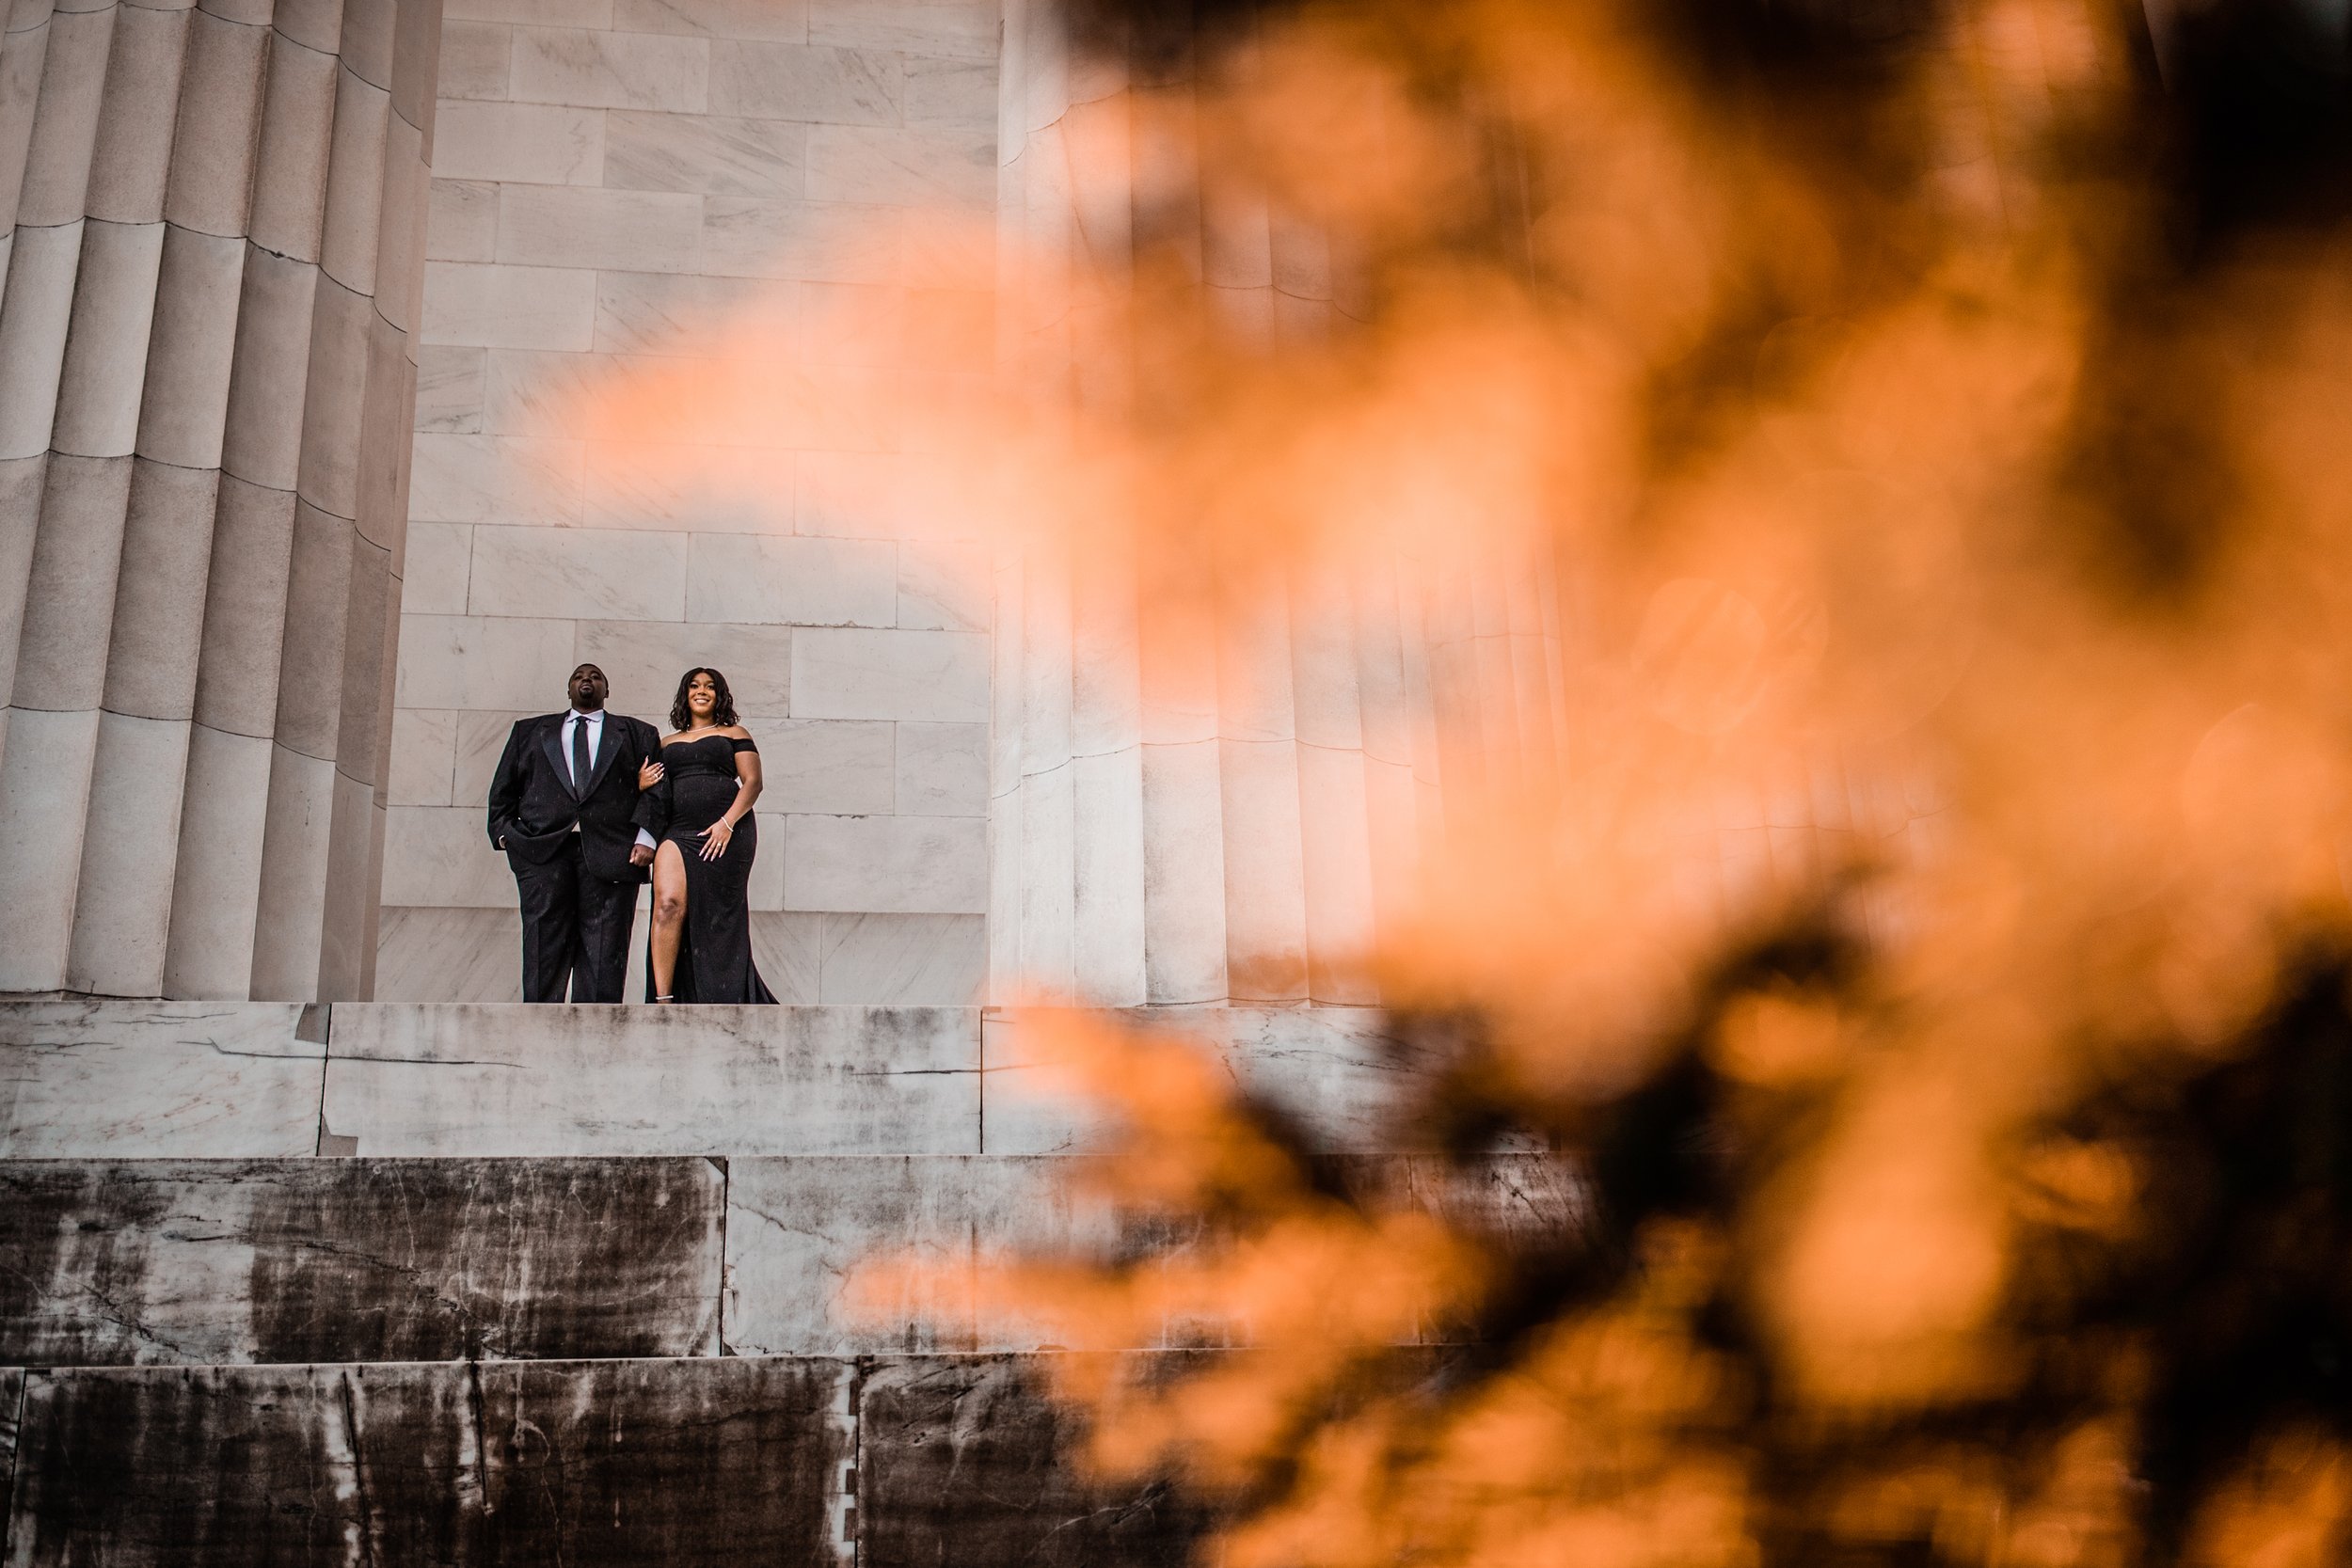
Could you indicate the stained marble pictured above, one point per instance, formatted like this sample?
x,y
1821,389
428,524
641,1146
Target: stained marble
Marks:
x,y
520,1080
157,1080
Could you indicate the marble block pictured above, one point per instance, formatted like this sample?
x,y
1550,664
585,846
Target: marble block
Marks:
x,y
785,945
213,1261
481,740
495,479
809,582
442,855
964,1460
475,59
795,82
713,154
162,1080
830,242
600,573
524,1080
632,230
546,144
436,954
943,770
462,221
676,487
959,93
508,306
535,13
945,587
902,959
483,661
921,166
610,70
853,672
798,1229
801,1232
1335,1070
11,1404
424,749
598,1464
450,387
668,312
439,560
884,865
825,765
954,29
718,19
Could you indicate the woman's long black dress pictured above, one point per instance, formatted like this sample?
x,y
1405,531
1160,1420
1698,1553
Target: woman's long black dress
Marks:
x,y
714,951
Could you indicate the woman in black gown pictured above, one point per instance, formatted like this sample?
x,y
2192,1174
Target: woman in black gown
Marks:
x,y
700,811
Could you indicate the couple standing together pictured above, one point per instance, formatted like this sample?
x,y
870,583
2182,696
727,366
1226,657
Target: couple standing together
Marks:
x,y
585,802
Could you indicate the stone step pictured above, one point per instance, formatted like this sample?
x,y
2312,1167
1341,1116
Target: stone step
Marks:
x,y
573,1290
808,1461
95,1080
196,1262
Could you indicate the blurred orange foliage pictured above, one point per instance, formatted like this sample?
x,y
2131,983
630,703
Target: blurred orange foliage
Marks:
x,y
1892,471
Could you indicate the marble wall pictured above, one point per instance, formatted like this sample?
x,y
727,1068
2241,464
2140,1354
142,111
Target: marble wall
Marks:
x,y
615,177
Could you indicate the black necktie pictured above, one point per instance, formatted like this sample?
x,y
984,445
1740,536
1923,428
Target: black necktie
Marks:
x,y
580,756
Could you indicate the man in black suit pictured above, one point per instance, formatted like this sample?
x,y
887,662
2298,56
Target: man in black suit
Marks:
x,y
560,807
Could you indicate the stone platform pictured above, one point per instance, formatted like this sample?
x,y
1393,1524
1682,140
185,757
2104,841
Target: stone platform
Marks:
x,y
400,1284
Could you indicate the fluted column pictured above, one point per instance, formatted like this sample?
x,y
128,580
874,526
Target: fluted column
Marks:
x,y
1068,869
205,386
1204,797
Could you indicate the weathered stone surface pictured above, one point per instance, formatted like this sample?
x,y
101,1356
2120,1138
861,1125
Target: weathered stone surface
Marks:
x,y
1334,1068
796,1229
963,1461
282,1260
623,1463
519,1080
886,864
801,1231
157,1080
901,960
12,1402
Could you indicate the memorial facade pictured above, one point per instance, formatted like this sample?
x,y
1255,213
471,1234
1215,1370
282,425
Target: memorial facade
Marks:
x,y
302,514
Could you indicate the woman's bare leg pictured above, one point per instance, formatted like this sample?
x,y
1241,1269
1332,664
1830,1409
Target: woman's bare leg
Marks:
x,y
669,914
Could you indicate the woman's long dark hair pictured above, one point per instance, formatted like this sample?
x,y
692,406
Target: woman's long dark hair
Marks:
x,y
721,711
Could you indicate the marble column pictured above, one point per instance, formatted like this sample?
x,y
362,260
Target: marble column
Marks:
x,y
1215,799
206,382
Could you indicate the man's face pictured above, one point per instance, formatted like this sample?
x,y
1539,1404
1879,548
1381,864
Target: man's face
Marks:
x,y
588,689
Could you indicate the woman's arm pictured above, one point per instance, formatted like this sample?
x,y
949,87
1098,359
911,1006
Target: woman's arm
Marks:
x,y
720,833
747,770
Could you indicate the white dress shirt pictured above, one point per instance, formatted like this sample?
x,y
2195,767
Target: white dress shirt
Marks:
x,y
595,741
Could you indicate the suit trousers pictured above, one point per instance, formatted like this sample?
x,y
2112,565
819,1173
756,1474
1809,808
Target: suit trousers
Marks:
x,y
576,928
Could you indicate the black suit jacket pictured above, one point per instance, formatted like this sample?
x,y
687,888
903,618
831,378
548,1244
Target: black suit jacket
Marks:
x,y
532,807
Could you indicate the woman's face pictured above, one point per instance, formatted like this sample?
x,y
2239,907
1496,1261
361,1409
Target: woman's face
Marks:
x,y
701,695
